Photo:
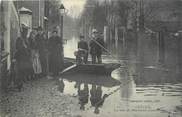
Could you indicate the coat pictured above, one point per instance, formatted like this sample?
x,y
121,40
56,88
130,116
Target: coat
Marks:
x,y
83,45
23,56
96,46
41,44
32,43
55,54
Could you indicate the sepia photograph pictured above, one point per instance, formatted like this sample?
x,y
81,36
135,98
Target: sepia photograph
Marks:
x,y
91,58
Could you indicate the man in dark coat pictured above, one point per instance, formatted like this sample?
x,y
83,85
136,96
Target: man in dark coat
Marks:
x,y
82,50
55,53
23,59
96,45
42,48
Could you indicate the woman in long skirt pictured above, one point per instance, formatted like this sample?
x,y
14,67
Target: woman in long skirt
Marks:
x,y
35,55
55,54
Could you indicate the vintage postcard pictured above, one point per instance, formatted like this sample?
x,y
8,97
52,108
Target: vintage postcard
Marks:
x,y
91,58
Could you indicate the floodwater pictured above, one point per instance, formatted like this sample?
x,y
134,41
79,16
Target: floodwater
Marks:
x,y
126,99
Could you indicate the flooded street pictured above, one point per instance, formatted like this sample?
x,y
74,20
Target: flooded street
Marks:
x,y
128,99
118,96
70,47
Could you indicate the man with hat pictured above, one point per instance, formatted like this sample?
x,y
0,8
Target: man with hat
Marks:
x,y
55,53
42,49
82,51
96,45
23,58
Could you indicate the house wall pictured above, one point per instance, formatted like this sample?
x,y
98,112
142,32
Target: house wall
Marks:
x,y
37,7
12,29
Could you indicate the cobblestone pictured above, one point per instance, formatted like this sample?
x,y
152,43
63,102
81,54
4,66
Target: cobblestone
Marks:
x,y
39,98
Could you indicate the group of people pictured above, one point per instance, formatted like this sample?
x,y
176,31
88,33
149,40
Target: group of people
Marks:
x,y
94,47
36,55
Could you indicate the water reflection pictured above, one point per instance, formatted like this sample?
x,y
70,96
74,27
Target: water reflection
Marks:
x,y
141,100
95,94
83,95
70,47
61,85
96,98
128,99
127,87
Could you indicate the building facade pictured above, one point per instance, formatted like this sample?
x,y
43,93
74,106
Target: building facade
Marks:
x,y
10,30
37,7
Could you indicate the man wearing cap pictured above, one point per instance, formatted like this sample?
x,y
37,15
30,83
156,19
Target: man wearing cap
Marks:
x,y
42,48
96,45
82,50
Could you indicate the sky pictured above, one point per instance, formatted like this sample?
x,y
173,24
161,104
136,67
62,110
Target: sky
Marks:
x,y
75,7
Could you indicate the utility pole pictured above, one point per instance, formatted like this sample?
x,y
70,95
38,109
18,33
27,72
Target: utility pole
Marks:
x,y
141,16
140,41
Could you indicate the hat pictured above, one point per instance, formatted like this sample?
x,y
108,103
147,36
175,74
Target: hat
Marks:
x,y
94,31
39,28
25,26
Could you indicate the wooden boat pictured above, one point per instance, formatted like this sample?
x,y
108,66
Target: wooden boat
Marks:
x,y
99,74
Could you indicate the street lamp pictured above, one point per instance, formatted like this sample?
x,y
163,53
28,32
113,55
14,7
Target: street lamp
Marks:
x,y
62,9
62,12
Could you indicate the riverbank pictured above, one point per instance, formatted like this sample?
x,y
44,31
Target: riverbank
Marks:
x,y
39,98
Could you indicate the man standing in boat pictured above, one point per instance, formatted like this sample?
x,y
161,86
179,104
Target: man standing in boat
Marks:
x,y
96,45
82,51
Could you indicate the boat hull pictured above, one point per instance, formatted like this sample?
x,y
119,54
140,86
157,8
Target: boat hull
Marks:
x,y
99,74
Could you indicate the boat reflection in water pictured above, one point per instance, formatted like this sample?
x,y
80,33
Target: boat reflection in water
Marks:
x,y
97,75
124,99
85,93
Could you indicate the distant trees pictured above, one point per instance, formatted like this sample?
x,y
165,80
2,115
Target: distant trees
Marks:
x,y
99,17
94,15
106,13
70,27
123,10
138,12
53,14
